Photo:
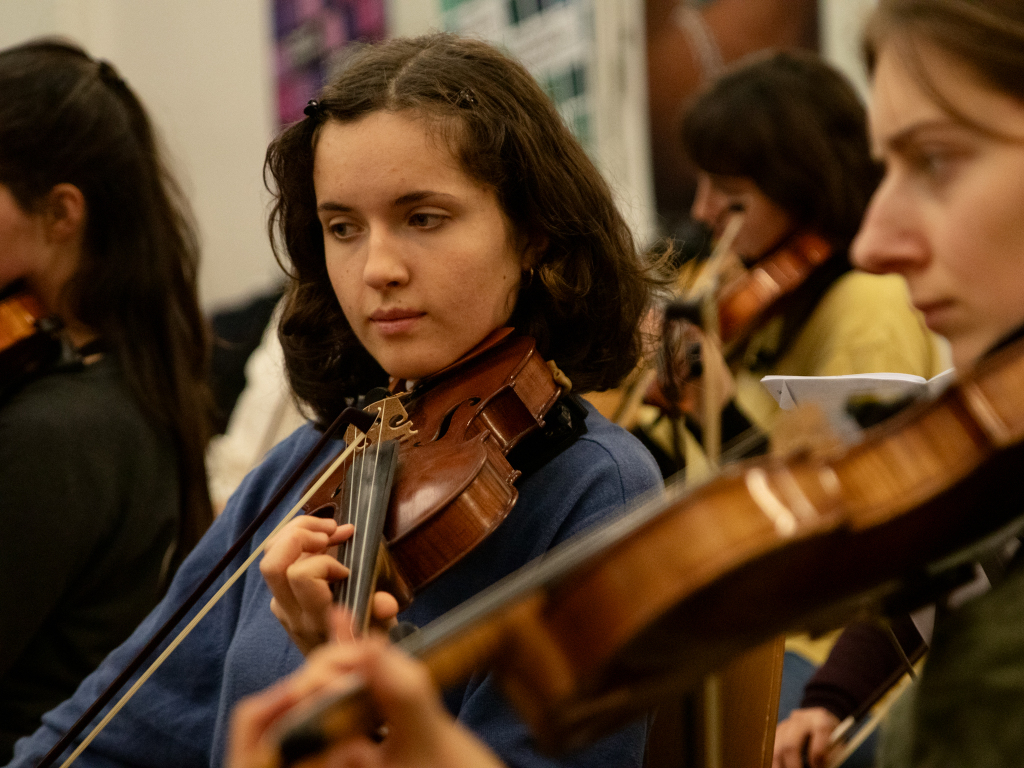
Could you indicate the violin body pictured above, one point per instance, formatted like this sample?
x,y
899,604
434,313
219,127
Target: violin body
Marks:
x,y
27,335
609,624
745,302
756,294
453,485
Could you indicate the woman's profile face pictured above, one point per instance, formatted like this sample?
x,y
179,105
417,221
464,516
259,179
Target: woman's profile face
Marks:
x,y
949,213
22,240
420,255
765,223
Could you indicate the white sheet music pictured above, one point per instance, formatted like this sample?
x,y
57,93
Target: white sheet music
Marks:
x,y
832,393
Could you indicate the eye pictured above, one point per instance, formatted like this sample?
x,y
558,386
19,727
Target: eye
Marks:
x,y
936,163
342,230
931,163
427,219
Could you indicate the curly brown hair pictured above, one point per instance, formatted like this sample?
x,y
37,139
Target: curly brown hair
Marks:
x,y
590,285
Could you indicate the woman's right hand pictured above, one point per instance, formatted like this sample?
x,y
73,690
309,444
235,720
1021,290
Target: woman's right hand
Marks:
x,y
299,567
420,731
804,729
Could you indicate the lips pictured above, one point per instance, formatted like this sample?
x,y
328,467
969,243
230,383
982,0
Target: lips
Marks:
x,y
386,315
390,321
934,311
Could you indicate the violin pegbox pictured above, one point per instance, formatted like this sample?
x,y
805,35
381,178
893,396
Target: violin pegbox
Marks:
x,y
392,422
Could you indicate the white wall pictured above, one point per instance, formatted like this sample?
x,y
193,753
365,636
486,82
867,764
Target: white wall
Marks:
x,y
841,27
203,69
621,147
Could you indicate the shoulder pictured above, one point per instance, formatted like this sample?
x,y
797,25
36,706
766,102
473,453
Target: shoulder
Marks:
x,y
609,450
862,288
863,324
602,471
93,397
81,417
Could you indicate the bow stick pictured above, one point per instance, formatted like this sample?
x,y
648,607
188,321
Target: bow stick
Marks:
x,y
350,416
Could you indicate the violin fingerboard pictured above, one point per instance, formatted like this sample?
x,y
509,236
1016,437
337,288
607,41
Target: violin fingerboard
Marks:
x,y
367,495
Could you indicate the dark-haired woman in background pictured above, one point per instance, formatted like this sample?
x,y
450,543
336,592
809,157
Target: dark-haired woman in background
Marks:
x,y
782,138
102,484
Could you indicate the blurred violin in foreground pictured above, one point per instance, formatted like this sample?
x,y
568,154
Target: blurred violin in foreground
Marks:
x,y
609,624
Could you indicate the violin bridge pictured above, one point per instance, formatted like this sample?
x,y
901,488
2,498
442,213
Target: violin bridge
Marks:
x,y
392,422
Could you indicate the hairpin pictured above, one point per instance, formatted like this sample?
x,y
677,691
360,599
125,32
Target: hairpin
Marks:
x,y
465,99
313,108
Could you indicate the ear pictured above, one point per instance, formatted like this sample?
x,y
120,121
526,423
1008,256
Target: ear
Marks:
x,y
65,212
534,251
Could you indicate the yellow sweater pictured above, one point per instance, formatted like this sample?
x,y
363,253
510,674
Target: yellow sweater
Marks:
x,y
863,324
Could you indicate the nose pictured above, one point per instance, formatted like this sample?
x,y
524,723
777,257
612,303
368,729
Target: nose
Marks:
x,y
385,265
709,203
890,238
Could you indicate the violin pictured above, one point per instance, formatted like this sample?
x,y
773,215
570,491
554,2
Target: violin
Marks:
x,y
453,484
740,306
755,295
616,620
27,335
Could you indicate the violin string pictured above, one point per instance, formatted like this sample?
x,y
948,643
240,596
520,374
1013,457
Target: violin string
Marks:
x,y
211,603
354,517
356,549
351,513
364,548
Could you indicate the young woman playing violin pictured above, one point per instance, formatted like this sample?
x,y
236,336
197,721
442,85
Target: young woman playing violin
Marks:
x,y
782,140
431,197
947,120
102,484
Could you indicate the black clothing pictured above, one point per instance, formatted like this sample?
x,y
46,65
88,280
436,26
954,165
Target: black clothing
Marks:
x,y
89,507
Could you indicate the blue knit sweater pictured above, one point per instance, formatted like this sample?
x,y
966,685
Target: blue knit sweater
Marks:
x,y
180,717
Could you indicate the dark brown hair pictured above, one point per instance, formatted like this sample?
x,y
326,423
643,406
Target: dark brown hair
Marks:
x,y
66,118
986,35
794,126
589,286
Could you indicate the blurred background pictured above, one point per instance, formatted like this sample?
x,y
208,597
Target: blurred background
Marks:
x,y
220,78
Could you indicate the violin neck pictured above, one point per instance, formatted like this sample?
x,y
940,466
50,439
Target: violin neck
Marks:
x,y
367,492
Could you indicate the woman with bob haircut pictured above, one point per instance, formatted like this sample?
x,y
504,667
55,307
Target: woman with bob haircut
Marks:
x,y
781,137
102,482
431,197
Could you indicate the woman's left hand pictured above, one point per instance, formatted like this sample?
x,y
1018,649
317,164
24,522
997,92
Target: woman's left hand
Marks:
x,y
299,567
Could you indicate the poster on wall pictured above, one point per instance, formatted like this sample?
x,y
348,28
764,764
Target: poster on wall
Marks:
x,y
309,36
553,38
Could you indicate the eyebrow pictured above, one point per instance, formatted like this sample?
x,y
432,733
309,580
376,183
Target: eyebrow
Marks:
x,y
410,197
900,140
